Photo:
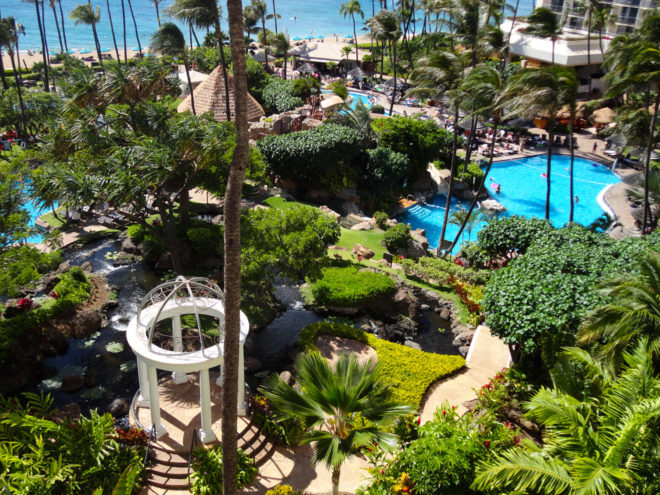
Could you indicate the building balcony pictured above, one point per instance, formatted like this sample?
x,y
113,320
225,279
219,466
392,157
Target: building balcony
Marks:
x,y
557,7
627,20
628,3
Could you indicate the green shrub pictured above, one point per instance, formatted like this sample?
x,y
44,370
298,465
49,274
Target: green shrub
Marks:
x,y
439,270
515,234
207,470
381,219
338,88
408,370
472,176
282,490
348,286
379,109
21,267
396,237
206,240
278,96
136,233
385,169
304,87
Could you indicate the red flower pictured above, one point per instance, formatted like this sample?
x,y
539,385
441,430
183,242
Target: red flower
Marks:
x,y
444,413
516,439
419,420
25,304
487,443
382,471
54,295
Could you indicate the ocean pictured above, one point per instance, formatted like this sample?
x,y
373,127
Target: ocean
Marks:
x,y
299,18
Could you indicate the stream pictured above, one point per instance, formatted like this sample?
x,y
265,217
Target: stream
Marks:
x,y
108,367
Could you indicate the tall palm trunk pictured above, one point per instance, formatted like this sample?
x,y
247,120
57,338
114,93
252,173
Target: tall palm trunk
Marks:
x,y
496,123
382,58
647,170
357,60
551,139
468,151
57,26
19,92
194,33
335,481
190,86
394,68
513,22
123,21
221,47
5,86
553,49
44,50
275,16
130,8
232,269
66,46
112,30
43,23
263,30
157,13
589,44
18,62
450,190
570,173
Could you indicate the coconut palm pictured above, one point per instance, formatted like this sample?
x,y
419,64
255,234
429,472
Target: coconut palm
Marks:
x,y
352,8
259,9
123,23
460,217
137,35
569,97
541,93
276,16
601,18
9,31
331,402
632,311
232,247
156,3
44,48
438,75
57,24
386,27
603,443
205,14
281,46
112,30
85,14
543,23
358,118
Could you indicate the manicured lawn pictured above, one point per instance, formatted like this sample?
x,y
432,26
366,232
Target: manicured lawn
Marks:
x,y
282,203
50,219
368,238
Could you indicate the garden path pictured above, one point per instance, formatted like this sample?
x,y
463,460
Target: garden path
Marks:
x,y
487,355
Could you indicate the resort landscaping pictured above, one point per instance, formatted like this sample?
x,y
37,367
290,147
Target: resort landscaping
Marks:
x,y
399,264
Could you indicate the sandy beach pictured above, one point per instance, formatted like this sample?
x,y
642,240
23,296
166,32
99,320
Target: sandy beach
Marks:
x,y
29,60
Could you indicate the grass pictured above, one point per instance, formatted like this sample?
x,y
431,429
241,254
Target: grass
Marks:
x,y
50,219
370,239
281,203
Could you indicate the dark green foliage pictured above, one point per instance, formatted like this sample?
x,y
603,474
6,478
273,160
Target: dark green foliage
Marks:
x,y
379,109
13,215
472,176
21,266
381,219
206,240
440,269
44,457
539,300
208,58
385,169
511,235
422,141
338,88
396,237
207,470
39,107
348,286
257,78
310,156
304,87
278,96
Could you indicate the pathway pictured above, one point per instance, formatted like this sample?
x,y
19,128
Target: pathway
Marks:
x,y
487,355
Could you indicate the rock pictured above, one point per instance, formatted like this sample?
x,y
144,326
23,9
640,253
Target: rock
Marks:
x,y
123,259
310,124
118,407
414,249
425,307
72,383
70,411
63,267
87,267
440,177
470,405
85,323
48,282
463,350
401,331
420,236
287,377
252,364
12,309
412,345
344,310
492,205
128,246
337,248
353,219
363,226
364,252
218,220
467,194
391,222
330,212
425,182
384,262
445,314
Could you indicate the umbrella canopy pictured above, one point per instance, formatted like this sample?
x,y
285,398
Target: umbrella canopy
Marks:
x,y
309,37
580,111
467,125
520,123
297,38
86,50
617,140
357,73
52,53
603,116
399,83
306,69
348,36
331,102
320,37
136,48
105,50
70,52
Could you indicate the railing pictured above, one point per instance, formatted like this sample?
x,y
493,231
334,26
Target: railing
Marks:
x,y
557,7
633,3
628,20
193,441
152,438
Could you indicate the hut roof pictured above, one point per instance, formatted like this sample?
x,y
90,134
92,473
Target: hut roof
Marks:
x,y
210,97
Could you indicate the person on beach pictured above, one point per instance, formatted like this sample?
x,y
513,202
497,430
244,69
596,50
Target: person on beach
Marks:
x,y
595,148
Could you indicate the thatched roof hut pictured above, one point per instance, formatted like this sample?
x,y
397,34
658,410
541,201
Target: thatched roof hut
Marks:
x,y
210,97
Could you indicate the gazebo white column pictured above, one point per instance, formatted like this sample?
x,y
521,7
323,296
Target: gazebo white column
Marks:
x,y
206,433
178,377
242,407
154,402
143,378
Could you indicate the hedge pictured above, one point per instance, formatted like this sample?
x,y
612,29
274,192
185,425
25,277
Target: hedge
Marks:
x,y
409,371
439,270
348,286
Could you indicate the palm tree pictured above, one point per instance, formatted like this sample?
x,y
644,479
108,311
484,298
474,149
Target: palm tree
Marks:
x,y
137,35
5,86
85,13
232,247
276,16
385,26
205,14
44,49
601,18
543,23
9,31
599,444
112,30
437,75
66,46
570,91
331,403
169,40
281,46
632,311
358,118
258,9
57,24
156,2
352,8
541,93
461,217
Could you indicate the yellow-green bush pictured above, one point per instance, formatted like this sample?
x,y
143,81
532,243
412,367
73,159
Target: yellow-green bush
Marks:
x,y
408,370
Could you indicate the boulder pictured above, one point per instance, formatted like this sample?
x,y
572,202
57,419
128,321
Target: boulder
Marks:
x,y
128,246
492,205
87,267
70,411
412,345
425,182
49,282
419,235
440,177
85,323
353,219
308,124
72,383
391,222
252,364
118,407
287,378
330,212
363,226
445,314
425,307
63,267
218,220
364,252
414,249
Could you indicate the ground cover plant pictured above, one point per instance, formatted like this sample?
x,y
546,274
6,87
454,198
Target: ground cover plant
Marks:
x,y
22,266
408,370
206,478
350,286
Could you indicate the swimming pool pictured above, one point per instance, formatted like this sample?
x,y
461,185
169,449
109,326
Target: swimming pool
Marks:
x,y
522,192
358,99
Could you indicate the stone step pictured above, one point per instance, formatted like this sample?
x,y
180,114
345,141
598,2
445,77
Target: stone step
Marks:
x,y
171,472
169,484
169,458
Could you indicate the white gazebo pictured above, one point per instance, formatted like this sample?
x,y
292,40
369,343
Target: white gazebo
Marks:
x,y
156,337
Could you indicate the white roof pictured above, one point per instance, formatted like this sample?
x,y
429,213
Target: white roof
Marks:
x,y
570,49
324,52
195,76
330,102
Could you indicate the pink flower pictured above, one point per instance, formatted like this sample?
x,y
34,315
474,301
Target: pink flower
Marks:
x,y
419,420
487,443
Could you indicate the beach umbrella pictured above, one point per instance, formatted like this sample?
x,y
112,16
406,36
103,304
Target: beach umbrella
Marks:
x,y
603,115
306,69
357,73
400,84
321,37
105,50
70,51
136,48
309,37
86,51
348,36
297,38
520,123
467,125
331,102
52,53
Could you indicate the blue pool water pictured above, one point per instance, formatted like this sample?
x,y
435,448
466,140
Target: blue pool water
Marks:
x,y
522,192
35,212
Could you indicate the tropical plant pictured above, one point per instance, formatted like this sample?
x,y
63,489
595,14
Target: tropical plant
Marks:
x,y
9,31
544,23
604,442
112,30
57,24
281,46
85,14
156,4
386,28
207,477
460,216
352,8
169,40
333,402
137,35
